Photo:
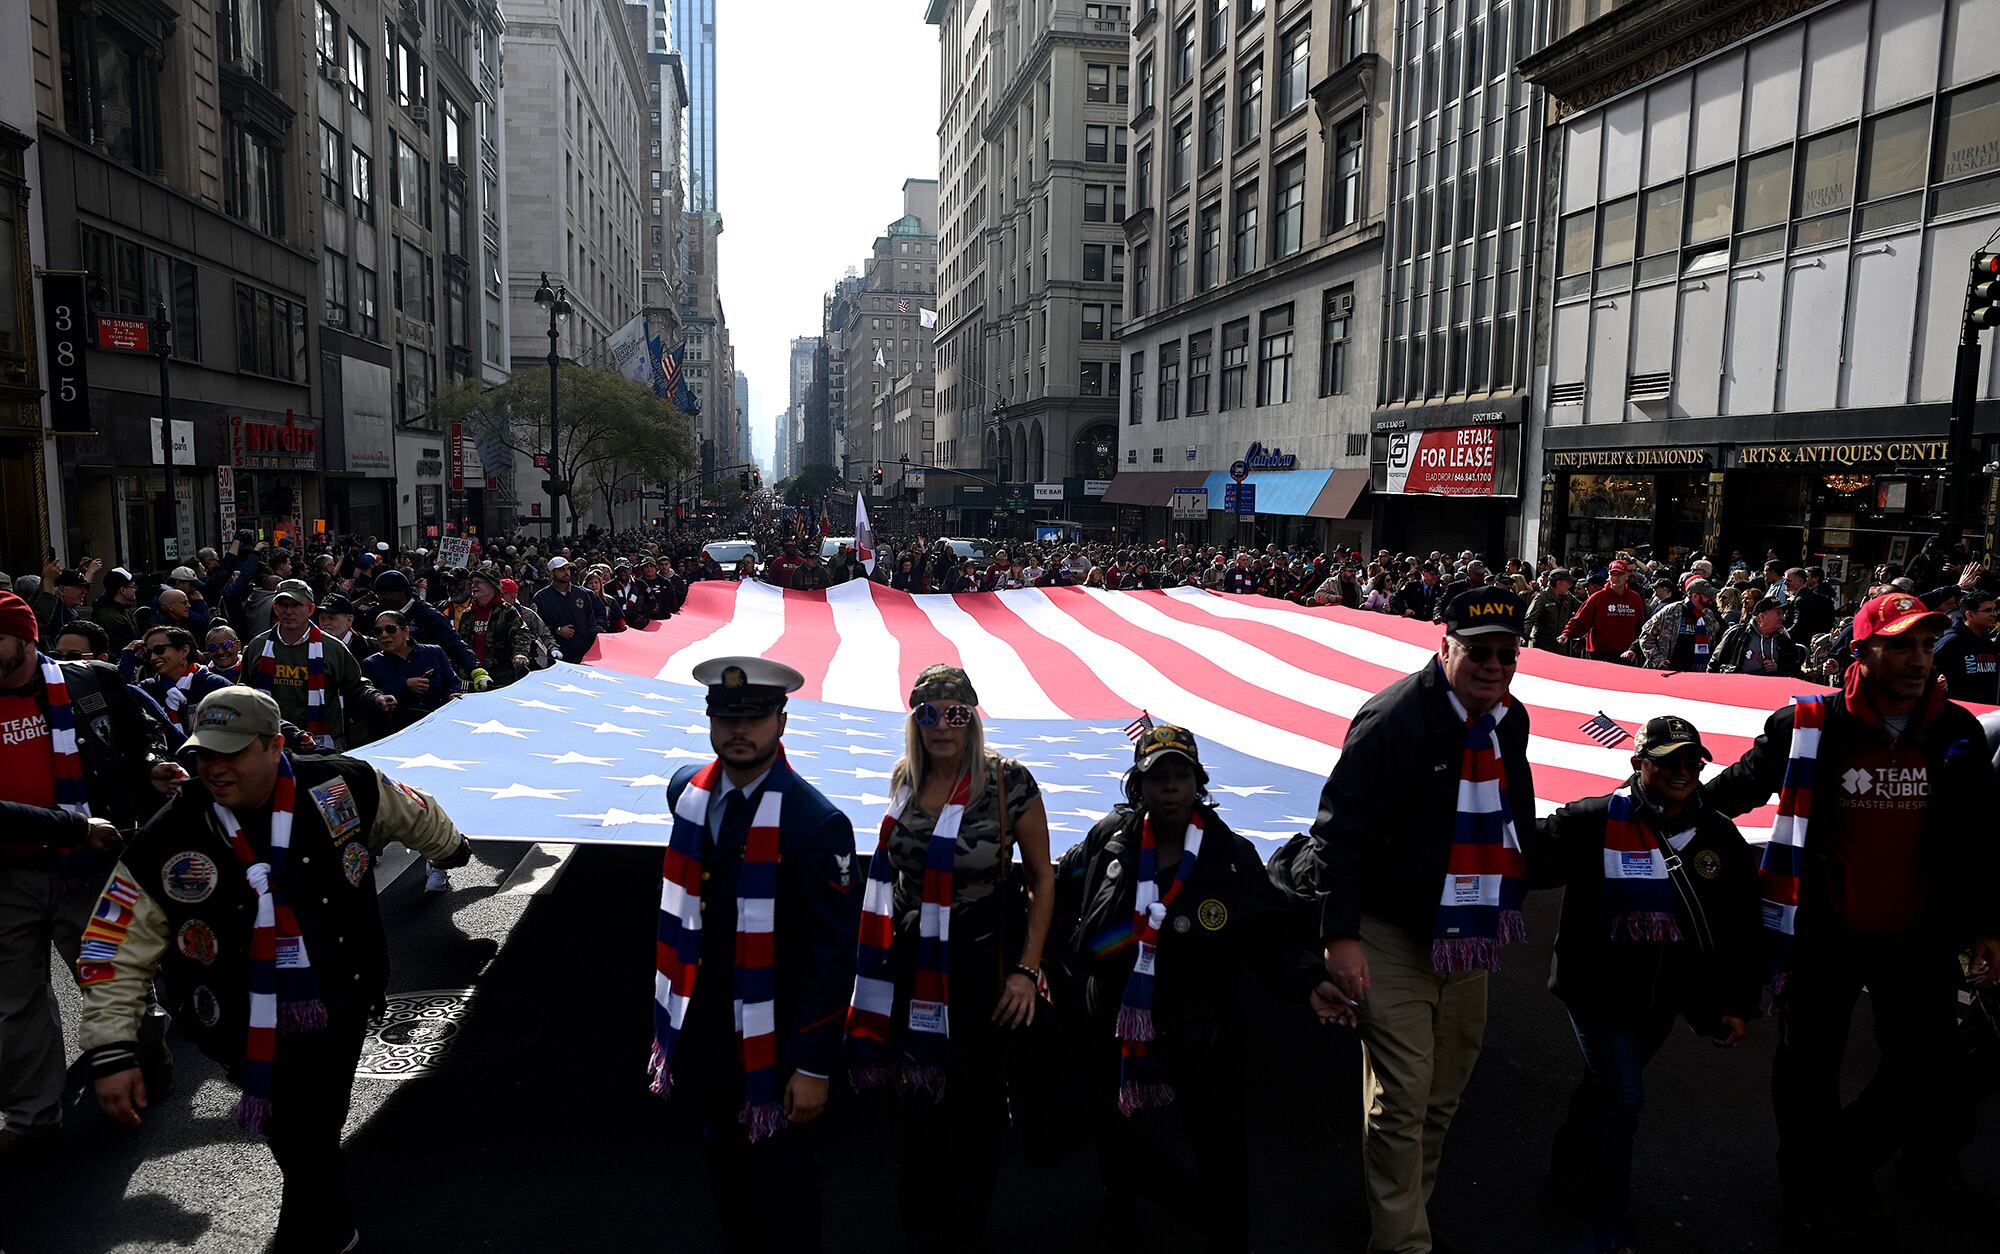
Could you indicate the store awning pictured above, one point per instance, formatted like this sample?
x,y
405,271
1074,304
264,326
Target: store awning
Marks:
x,y
1287,492
1156,488
1336,500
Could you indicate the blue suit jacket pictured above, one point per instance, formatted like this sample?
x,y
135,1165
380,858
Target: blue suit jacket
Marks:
x,y
818,921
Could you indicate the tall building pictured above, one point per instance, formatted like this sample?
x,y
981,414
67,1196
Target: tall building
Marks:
x,y
1465,177
742,402
799,380
577,107
405,109
1254,218
29,483
1032,127
663,275
172,148
881,338
1760,229
694,35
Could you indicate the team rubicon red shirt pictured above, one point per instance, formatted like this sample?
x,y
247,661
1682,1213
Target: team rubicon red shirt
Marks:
x,y
1879,794
1611,618
27,757
476,618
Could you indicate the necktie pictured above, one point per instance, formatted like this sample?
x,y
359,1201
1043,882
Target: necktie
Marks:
x,y
735,823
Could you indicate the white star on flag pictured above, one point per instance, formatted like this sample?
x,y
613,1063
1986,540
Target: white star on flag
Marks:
x,y
1062,788
573,758
1055,740
1252,790
640,781
1085,757
433,761
864,751
611,729
493,727
1092,815
615,817
513,791
681,754
865,798
858,772
581,692
539,705
641,709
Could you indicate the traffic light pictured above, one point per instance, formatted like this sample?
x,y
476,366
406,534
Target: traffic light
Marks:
x,y
1982,303
876,479
743,480
757,480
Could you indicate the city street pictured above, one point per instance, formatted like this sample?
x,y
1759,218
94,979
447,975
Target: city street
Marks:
x,y
534,1130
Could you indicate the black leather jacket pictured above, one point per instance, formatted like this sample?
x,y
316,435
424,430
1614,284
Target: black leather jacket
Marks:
x,y
120,744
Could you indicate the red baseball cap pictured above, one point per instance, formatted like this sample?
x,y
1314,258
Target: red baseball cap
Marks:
x,y
1620,568
1892,615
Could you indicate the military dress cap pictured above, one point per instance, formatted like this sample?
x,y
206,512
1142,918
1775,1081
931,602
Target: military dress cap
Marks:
x,y
1667,735
295,590
229,719
1164,741
746,687
1484,611
943,683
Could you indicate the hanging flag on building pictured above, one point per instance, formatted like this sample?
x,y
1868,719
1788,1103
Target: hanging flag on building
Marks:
x,y
927,318
902,304
879,363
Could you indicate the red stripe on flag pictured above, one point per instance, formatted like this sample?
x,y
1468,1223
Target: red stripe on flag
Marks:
x,y
1070,684
809,640
918,640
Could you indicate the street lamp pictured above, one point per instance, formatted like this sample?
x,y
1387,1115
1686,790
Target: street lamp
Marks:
x,y
556,301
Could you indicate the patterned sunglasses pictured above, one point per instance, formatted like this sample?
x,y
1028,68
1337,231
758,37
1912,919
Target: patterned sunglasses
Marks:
x,y
928,714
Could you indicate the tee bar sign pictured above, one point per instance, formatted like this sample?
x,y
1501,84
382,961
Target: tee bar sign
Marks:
x,y
1455,461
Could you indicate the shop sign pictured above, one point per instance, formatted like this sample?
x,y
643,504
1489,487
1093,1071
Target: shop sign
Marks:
x,y
63,305
1260,458
1452,461
183,442
1096,487
458,457
225,499
430,462
260,444
1856,453
1628,458
1048,492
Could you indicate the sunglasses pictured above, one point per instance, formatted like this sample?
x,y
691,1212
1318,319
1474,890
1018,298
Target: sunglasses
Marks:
x,y
387,631
158,649
224,646
69,655
1481,654
930,715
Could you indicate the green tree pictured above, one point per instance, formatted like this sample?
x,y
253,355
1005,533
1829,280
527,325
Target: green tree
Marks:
x,y
810,484
612,434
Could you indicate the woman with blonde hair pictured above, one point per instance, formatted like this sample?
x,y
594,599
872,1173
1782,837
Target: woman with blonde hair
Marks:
x,y
950,955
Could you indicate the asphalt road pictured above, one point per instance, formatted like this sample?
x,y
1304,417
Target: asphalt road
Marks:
x,y
536,1133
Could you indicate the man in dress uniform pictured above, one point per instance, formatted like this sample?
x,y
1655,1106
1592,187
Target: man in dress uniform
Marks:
x,y
755,962
254,893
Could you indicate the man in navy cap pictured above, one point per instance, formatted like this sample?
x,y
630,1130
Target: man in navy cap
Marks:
x,y
755,967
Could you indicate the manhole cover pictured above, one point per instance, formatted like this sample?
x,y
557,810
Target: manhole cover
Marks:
x,y
413,1034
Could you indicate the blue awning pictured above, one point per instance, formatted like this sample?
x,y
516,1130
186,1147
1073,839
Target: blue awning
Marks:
x,y
1288,492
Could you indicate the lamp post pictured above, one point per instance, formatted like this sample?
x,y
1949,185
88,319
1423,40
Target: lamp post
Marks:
x,y
162,347
556,301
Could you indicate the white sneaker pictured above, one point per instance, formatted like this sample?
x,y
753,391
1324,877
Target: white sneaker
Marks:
x,y
437,881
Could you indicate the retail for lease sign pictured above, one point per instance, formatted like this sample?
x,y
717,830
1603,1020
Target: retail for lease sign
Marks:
x,y
1451,461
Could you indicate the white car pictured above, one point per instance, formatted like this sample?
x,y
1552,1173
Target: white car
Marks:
x,y
727,553
829,546
967,548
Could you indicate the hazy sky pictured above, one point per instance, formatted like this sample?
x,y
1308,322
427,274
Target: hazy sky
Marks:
x,y
823,109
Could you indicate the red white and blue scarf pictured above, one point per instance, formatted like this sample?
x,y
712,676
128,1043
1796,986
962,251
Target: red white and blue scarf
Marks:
x,y
1784,853
1637,892
1701,636
1141,1082
1485,877
283,993
71,794
677,955
919,1067
318,725
176,696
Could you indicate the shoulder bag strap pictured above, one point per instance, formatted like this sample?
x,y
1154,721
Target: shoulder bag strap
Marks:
x,y
1703,935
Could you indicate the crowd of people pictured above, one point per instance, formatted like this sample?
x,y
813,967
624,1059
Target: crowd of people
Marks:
x,y
165,754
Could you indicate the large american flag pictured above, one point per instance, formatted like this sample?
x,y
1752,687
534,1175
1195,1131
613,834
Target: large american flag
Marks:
x,y
583,753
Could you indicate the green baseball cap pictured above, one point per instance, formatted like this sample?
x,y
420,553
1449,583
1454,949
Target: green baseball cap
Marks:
x,y
229,720
296,590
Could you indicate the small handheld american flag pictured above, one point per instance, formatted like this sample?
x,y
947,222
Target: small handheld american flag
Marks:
x,y
1604,730
1138,727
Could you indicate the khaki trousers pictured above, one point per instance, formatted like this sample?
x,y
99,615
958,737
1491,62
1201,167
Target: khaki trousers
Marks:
x,y
1420,1035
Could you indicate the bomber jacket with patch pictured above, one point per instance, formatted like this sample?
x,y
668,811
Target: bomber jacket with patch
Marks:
x,y
179,905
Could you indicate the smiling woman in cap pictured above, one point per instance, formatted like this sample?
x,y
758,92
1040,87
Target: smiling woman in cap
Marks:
x,y
754,959
951,953
1161,909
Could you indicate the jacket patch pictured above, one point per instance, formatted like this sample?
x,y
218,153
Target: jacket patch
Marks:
x,y
196,941
206,1008
188,877
354,862
1213,914
336,806
423,802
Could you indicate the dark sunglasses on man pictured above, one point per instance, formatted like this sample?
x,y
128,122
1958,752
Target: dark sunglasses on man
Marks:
x,y
1481,654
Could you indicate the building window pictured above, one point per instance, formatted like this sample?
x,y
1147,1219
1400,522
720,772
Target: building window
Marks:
x,y
1246,229
1711,205
246,31
1093,263
1177,265
1142,178
1294,54
1968,149
1218,26
1092,382
332,160
364,186
1274,356
1198,365
1660,232
111,89
326,35
367,294
1894,156
1182,169
1184,54
1096,144
1169,401
1145,82
1213,120
357,73
1336,309
1617,237
1135,411
1347,173
1249,103
1235,362
333,287
1121,84
1289,211
1118,144
1354,32
1118,202
1093,322
1209,268
1118,264
1764,203
252,179
1097,84
135,282
1093,201
1826,188
1576,244
1142,255
270,335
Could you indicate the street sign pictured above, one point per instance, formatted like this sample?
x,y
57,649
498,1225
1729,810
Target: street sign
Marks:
x,y
541,461
1192,503
1246,500
131,335
1239,470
